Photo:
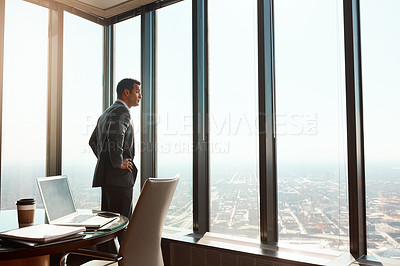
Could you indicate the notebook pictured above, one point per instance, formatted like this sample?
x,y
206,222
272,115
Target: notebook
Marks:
x,y
60,207
43,233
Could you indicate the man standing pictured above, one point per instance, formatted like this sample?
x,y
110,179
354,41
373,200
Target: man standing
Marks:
x,y
113,144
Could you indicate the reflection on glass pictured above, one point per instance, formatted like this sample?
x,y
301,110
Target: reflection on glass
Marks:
x,y
233,117
127,65
24,101
82,105
174,107
311,125
380,58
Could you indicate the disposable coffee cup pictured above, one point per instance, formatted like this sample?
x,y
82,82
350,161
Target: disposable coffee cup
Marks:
x,y
26,212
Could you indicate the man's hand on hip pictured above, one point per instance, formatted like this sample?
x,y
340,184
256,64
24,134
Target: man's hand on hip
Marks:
x,y
127,164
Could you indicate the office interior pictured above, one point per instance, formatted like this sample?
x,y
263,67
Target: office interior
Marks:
x,y
277,115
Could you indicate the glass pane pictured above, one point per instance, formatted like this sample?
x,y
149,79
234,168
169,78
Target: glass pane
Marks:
x,y
82,105
127,65
311,124
234,186
24,101
381,65
174,107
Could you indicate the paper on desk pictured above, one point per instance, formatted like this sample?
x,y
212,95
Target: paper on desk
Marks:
x,y
42,232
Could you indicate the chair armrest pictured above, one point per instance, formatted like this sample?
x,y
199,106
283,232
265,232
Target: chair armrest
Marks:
x,y
90,253
96,254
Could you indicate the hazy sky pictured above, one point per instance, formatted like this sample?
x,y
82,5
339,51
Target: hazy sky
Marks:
x,y
309,74
309,80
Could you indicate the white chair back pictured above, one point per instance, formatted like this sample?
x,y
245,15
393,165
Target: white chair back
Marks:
x,y
141,245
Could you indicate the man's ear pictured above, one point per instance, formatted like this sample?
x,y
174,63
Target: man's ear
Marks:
x,y
126,92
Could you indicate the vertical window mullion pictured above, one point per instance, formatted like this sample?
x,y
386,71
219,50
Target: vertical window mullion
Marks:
x,y
148,122
108,59
54,107
355,138
2,18
201,206
268,178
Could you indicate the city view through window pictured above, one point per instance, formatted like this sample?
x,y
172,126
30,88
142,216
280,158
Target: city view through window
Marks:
x,y
81,52
234,189
174,107
24,118
310,125
381,57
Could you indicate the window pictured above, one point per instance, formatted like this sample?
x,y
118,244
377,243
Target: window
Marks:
x,y
82,105
127,65
174,107
24,101
380,59
233,107
311,124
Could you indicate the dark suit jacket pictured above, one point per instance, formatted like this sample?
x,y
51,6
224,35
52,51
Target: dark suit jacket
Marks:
x,y
112,141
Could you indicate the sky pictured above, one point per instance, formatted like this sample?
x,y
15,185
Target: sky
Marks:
x,y
309,66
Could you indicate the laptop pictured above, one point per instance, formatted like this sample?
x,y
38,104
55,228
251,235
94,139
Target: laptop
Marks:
x,y
60,206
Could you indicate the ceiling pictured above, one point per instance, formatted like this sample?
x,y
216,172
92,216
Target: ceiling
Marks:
x,y
103,4
105,8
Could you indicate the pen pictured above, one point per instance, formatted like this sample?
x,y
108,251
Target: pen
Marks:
x,y
98,230
103,230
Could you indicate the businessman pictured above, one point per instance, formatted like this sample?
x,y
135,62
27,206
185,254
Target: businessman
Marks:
x,y
112,142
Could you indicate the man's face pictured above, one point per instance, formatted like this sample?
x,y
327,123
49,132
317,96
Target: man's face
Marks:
x,y
134,97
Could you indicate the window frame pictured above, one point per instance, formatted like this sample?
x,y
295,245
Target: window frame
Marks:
x,y
266,87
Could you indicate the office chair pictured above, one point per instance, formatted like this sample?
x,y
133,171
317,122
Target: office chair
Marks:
x,y
141,245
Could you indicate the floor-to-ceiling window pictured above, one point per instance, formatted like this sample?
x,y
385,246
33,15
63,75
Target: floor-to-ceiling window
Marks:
x,y
127,65
24,101
82,105
310,124
234,187
380,69
310,105
174,107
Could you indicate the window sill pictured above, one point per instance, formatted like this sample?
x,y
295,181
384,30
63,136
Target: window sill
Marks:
x,y
277,252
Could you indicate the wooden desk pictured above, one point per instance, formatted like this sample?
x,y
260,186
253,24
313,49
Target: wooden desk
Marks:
x,y
10,255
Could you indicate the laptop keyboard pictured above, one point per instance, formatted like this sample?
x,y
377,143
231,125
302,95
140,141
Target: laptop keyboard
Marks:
x,y
80,218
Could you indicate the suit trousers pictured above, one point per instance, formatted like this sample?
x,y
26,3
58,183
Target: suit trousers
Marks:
x,y
117,199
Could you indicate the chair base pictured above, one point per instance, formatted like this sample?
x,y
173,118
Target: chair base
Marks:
x,y
100,263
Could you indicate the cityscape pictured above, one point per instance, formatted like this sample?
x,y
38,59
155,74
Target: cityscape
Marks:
x,y
312,205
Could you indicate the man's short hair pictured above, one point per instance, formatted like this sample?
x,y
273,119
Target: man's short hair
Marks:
x,y
126,84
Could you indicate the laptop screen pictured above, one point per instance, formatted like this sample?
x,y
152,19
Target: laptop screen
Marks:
x,y
56,196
